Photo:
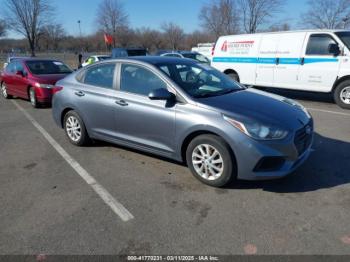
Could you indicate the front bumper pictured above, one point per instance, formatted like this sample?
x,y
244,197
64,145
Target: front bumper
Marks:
x,y
249,153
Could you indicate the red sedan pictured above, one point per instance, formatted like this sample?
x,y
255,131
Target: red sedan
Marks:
x,y
32,79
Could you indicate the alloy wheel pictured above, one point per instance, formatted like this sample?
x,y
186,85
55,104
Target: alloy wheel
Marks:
x,y
4,90
208,162
73,128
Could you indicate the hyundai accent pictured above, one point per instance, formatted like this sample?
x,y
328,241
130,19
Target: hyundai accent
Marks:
x,y
187,111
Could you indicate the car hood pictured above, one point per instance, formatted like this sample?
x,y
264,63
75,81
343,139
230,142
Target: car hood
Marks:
x,y
260,106
48,79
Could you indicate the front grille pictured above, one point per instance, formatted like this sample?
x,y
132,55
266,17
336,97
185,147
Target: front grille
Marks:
x,y
303,138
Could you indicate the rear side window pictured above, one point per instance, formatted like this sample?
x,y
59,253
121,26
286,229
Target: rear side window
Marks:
x,y
11,68
318,44
100,76
139,80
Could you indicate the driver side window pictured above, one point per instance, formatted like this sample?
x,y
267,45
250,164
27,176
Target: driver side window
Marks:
x,y
139,80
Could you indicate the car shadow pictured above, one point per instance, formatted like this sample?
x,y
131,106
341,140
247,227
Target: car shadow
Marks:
x,y
327,167
300,95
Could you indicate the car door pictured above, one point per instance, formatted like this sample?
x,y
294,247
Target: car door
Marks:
x,y
319,68
289,53
20,83
94,98
143,122
266,63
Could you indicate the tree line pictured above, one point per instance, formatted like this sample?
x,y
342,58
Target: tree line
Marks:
x,y
33,20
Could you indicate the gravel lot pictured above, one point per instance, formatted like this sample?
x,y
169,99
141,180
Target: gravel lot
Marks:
x,y
48,208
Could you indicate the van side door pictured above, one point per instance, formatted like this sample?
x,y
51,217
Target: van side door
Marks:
x,y
266,61
319,67
289,53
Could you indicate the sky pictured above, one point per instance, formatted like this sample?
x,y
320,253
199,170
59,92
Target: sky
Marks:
x,y
149,13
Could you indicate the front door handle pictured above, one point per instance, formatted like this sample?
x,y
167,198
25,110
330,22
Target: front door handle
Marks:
x,y
302,61
79,93
121,102
277,61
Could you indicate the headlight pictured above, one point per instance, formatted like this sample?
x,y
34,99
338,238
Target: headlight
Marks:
x,y
44,86
257,130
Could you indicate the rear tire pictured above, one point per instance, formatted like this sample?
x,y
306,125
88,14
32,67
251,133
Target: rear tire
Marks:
x,y
233,76
32,98
342,94
75,129
4,92
211,160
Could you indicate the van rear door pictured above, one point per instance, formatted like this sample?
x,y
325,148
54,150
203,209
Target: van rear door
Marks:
x,y
319,68
289,53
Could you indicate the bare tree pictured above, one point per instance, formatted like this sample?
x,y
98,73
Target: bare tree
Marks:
x,y
51,35
3,28
27,17
279,27
112,18
257,12
173,34
327,14
220,17
149,38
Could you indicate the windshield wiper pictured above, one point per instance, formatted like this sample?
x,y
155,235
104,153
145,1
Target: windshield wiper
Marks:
x,y
218,93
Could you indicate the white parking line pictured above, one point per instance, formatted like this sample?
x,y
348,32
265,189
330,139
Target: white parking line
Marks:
x,y
328,111
117,207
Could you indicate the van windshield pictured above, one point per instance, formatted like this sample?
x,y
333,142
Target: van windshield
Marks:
x,y
345,37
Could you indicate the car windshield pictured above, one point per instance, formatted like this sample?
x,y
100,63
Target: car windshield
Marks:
x,y
198,80
200,58
48,67
104,57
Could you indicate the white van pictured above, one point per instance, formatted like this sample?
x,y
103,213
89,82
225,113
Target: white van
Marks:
x,y
204,49
316,61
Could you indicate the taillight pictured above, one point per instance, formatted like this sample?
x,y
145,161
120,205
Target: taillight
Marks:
x,y
56,89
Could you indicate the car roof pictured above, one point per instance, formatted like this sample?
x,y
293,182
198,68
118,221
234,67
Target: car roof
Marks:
x,y
159,60
26,59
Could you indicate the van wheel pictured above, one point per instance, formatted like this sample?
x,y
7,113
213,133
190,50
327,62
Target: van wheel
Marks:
x,y
233,76
210,160
75,129
342,94
4,92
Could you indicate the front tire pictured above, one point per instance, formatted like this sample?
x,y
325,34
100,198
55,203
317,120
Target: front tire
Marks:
x,y
75,129
32,98
233,76
4,92
211,160
342,94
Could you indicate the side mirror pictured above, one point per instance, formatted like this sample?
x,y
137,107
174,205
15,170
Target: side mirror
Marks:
x,y
161,94
334,49
20,73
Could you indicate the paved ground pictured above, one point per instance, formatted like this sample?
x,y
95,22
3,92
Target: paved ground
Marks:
x,y
46,207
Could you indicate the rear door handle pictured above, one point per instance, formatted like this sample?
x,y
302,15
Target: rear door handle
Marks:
x,y
79,93
302,61
121,102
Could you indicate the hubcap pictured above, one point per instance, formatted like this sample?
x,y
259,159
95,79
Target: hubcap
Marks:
x,y
73,128
345,95
208,162
4,91
32,97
